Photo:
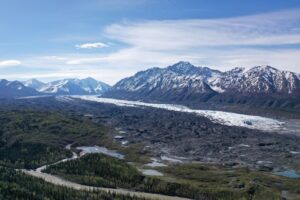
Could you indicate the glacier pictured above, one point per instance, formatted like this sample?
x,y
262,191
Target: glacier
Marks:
x,y
220,117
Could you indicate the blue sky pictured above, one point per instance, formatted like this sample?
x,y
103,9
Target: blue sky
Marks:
x,y
109,40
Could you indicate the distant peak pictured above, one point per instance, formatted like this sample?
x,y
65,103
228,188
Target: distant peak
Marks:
x,y
263,68
183,63
34,80
237,70
181,66
89,78
4,80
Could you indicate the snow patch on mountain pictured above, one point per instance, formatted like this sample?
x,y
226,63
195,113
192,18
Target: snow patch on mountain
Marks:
x,y
34,83
257,80
69,86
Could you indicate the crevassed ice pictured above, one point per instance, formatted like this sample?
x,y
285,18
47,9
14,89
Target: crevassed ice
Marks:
x,y
221,117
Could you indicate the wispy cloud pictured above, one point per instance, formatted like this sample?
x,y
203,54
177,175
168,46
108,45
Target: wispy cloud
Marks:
x,y
266,29
135,59
55,58
97,45
9,63
271,38
222,43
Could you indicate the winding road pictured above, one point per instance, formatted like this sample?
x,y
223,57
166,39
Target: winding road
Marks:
x,y
62,182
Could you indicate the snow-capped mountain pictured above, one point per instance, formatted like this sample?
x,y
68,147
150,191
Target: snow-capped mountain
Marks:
x,y
32,87
74,87
10,89
258,80
180,82
34,83
186,82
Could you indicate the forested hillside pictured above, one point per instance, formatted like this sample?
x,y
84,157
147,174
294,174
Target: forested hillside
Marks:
x,y
29,139
16,185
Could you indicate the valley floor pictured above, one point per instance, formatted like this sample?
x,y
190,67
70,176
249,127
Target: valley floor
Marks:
x,y
186,154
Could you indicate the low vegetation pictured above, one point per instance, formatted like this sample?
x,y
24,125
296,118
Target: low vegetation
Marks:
x,y
228,183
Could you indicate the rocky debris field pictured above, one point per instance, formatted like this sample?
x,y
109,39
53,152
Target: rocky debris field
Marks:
x,y
191,137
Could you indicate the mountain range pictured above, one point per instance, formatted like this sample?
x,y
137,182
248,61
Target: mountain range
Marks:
x,y
87,86
187,81
187,84
69,86
179,83
10,89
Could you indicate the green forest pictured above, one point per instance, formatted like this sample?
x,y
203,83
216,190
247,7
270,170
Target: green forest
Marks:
x,y
103,171
16,185
29,139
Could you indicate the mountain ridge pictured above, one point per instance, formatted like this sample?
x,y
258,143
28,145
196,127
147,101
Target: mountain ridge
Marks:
x,y
265,79
10,89
74,86
33,87
187,84
182,83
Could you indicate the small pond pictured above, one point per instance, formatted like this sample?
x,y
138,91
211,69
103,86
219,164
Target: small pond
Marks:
x,y
102,150
289,174
151,172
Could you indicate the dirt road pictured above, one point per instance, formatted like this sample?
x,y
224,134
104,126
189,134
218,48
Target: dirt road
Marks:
x,y
59,181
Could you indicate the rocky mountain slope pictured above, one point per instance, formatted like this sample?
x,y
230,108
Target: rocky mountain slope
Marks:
x,y
15,89
34,83
180,82
258,80
184,82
